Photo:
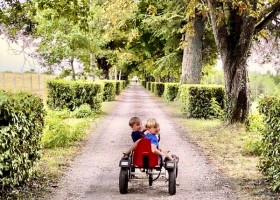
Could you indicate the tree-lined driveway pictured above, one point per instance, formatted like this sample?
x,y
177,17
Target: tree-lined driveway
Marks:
x,y
94,173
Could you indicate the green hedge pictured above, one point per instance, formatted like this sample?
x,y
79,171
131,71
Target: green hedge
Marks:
x,y
270,149
148,85
171,91
110,88
72,94
143,83
119,87
21,127
152,89
158,89
202,101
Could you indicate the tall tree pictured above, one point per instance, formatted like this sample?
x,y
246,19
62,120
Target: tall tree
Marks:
x,y
234,24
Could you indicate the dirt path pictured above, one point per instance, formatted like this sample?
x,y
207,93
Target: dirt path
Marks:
x,y
94,174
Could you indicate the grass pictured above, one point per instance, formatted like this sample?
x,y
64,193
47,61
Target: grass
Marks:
x,y
28,82
225,147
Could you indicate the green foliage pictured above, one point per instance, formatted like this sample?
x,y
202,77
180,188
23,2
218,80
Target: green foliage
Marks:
x,y
61,132
270,157
120,85
21,127
152,87
64,94
202,101
143,83
82,111
171,91
109,90
158,89
262,84
148,85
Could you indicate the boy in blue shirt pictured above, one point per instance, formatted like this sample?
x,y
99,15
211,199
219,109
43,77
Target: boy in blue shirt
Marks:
x,y
152,127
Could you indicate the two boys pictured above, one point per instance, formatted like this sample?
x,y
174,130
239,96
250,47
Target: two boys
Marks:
x,y
152,128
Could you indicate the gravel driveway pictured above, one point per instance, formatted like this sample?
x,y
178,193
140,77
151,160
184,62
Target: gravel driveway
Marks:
x,y
94,173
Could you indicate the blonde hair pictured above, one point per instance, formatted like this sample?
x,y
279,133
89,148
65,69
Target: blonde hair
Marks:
x,y
152,123
134,120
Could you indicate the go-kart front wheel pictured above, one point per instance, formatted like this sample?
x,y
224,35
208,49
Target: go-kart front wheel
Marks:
x,y
123,181
172,182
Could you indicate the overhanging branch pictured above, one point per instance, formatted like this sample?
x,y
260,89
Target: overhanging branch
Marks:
x,y
273,14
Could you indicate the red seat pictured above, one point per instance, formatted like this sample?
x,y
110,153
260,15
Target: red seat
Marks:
x,y
143,156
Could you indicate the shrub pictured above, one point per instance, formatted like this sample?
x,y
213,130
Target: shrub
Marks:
x,y
21,127
119,87
64,94
109,90
83,111
62,133
148,85
152,87
171,91
202,101
270,149
158,89
143,83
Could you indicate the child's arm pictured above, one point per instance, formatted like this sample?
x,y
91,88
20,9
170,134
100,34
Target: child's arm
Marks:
x,y
162,153
132,147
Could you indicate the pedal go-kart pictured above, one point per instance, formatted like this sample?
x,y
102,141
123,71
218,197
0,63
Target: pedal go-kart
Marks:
x,y
148,163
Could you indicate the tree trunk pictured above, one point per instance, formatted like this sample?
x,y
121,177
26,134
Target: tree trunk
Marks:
x,y
92,60
192,56
120,75
73,69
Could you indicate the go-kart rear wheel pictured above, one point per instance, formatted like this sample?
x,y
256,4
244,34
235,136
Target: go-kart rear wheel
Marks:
x,y
150,180
123,181
172,182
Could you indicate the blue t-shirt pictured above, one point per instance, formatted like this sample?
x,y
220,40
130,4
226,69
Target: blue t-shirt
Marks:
x,y
153,138
136,135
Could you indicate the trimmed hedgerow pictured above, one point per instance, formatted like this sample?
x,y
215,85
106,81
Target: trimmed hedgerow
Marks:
x,y
152,87
158,89
143,83
119,86
171,91
270,148
148,85
109,90
72,94
21,127
202,101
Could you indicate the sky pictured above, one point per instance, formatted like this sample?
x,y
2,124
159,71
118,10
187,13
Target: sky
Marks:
x,y
11,60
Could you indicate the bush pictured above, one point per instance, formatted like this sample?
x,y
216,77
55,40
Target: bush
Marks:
x,y
158,89
21,127
119,87
143,83
171,91
109,90
64,94
148,85
83,111
270,150
202,101
152,87
62,133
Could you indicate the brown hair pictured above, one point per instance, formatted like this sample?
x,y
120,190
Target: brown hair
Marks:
x,y
152,123
134,120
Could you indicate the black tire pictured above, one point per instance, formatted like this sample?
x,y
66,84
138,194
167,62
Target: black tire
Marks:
x,y
172,182
150,180
123,181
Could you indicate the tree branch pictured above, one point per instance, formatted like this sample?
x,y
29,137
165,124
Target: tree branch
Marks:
x,y
273,14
